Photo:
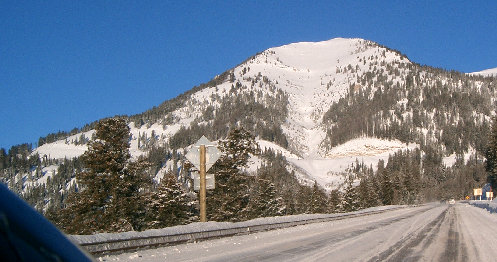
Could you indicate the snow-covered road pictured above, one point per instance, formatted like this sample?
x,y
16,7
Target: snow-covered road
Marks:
x,y
435,232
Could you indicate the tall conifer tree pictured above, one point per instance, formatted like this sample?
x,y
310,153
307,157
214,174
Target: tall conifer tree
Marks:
x,y
109,197
170,205
230,198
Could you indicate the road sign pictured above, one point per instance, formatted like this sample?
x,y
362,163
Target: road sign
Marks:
x,y
210,181
203,155
211,156
490,195
477,192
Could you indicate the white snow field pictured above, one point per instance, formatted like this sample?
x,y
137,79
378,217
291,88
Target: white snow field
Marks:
x,y
487,72
434,232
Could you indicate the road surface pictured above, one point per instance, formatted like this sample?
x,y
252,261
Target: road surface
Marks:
x,y
435,232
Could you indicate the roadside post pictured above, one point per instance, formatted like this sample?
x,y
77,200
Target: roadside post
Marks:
x,y
203,155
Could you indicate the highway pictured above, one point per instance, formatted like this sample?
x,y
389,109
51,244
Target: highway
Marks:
x,y
433,232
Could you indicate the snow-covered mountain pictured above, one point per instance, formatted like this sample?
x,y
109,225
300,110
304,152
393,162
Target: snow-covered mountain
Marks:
x,y
487,72
313,76
285,96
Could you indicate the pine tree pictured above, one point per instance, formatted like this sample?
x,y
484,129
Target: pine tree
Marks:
x,y
109,198
302,199
238,146
230,198
318,200
3,159
264,202
410,185
335,202
350,197
363,194
170,205
386,184
367,193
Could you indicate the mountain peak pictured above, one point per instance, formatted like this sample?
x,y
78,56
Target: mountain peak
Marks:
x,y
315,74
329,53
486,72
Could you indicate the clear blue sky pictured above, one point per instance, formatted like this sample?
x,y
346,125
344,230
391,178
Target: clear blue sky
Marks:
x,y
67,63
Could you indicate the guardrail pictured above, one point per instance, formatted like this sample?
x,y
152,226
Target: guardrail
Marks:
x,y
107,243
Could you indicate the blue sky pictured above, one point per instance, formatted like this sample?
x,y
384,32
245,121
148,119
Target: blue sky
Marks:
x,y
64,64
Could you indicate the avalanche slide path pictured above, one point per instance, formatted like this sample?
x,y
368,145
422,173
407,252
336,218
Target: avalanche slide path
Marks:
x,y
434,232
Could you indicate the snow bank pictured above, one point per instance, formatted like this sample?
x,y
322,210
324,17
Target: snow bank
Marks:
x,y
490,206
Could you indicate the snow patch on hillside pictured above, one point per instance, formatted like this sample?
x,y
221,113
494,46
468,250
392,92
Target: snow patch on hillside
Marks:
x,y
367,146
47,172
163,171
264,145
487,72
32,180
253,164
330,171
449,161
67,148
60,150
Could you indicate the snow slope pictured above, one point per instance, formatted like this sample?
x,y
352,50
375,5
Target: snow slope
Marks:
x,y
63,148
329,171
313,74
487,72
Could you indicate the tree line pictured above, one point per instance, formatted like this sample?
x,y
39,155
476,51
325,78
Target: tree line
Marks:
x,y
115,194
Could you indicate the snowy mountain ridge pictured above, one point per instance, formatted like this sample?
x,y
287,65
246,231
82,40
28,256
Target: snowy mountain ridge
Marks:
x,y
313,76
486,72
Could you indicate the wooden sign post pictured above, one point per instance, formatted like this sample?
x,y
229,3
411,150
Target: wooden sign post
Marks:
x,y
203,155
